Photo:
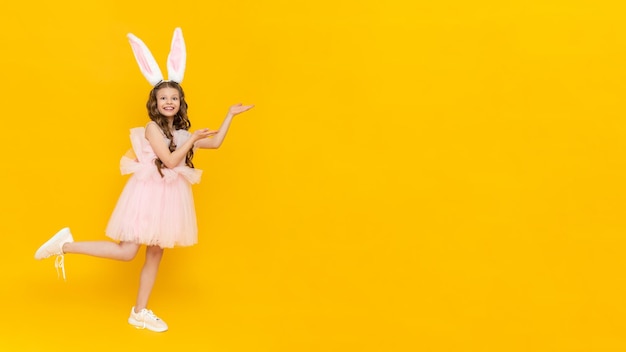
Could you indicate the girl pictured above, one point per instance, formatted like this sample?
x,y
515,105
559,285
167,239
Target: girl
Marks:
x,y
156,207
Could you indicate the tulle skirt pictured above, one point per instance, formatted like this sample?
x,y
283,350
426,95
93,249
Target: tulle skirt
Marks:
x,y
155,211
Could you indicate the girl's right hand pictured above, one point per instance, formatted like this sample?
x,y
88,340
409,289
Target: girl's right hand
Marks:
x,y
202,134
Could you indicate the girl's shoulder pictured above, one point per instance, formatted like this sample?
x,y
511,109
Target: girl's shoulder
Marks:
x,y
151,127
152,123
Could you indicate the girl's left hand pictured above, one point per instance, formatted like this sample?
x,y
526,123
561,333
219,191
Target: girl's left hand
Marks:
x,y
239,108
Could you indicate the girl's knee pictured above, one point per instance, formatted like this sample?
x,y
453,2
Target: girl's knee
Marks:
x,y
129,251
154,253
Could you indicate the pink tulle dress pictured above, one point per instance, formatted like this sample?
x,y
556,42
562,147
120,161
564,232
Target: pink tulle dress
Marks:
x,y
155,210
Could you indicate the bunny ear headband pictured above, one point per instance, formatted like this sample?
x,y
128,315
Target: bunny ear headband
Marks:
x,y
175,60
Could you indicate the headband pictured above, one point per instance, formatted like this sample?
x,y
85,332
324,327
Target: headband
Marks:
x,y
175,60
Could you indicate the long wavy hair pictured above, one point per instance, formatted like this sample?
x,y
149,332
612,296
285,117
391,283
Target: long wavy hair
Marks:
x,y
181,120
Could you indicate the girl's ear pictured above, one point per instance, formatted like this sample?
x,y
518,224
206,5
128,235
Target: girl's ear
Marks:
x,y
147,64
177,57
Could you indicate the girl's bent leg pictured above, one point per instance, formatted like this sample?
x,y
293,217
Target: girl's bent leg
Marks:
x,y
104,249
148,276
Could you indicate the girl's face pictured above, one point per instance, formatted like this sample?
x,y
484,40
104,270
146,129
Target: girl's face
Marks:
x,y
168,101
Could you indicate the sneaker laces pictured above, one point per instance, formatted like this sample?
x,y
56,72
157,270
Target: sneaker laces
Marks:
x,y
150,314
59,263
146,313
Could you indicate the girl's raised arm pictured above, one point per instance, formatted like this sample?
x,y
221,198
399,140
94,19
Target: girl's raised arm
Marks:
x,y
154,135
218,138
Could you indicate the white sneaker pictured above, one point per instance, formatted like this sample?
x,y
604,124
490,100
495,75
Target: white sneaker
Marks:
x,y
54,246
145,319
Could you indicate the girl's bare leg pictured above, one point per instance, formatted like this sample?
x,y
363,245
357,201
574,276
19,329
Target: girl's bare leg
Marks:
x,y
124,251
148,276
104,249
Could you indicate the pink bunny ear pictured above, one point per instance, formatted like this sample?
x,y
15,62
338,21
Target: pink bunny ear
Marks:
x,y
177,57
147,63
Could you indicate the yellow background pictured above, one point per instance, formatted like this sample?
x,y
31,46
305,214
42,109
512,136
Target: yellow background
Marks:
x,y
415,176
